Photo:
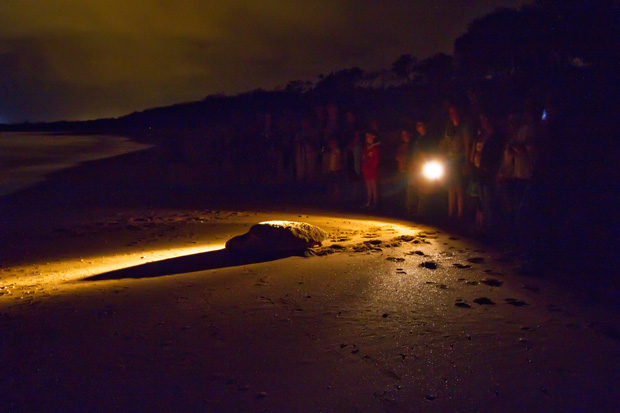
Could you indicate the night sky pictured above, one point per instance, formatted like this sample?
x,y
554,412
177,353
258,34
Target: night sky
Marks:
x,y
87,59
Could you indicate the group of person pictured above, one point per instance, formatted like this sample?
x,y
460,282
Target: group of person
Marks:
x,y
324,150
488,162
339,155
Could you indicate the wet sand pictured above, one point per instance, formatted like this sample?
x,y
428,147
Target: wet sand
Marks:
x,y
387,315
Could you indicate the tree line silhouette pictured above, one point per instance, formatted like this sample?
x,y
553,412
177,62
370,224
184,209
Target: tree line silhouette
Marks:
x,y
508,53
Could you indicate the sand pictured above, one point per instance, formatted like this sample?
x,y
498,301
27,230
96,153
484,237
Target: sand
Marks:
x,y
387,315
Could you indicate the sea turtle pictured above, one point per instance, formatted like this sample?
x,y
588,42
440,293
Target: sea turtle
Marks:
x,y
277,236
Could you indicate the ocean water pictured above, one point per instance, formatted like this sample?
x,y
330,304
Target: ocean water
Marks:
x,y
27,158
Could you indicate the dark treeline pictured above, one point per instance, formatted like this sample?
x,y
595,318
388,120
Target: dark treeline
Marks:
x,y
553,56
503,58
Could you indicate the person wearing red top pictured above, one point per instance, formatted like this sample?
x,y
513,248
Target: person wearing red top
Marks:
x,y
370,168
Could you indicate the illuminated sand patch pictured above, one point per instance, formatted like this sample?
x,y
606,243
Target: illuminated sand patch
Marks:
x,y
84,251
70,270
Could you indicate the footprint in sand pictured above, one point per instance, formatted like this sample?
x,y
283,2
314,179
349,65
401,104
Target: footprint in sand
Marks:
x,y
440,286
483,301
417,252
431,265
322,251
554,308
476,260
261,282
492,282
530,288
264,299
515,302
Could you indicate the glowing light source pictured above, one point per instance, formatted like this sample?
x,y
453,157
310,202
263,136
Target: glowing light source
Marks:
x,y
433,170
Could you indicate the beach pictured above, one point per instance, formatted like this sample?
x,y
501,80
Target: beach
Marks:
x,y
386,315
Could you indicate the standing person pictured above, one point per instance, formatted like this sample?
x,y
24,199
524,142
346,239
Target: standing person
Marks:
x,y
287,127
518,160
370,168
320,120
419,189
525,149
486,157
330,132
306,144
456,147
332,127
403,161
352,143
271,162
333,162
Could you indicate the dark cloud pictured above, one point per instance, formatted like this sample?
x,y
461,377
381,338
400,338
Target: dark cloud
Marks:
x,y
75,59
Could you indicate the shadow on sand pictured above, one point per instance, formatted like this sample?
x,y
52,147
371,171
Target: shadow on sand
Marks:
x,y
191,263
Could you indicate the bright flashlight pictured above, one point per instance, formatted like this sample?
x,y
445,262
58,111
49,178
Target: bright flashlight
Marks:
x,y
433,170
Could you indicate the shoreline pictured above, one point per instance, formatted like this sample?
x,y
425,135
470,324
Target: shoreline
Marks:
x,y
41,164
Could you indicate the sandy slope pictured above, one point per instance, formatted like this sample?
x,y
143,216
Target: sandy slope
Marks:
x,y
388,316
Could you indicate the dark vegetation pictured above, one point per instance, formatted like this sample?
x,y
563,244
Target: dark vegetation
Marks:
x,y
506,56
